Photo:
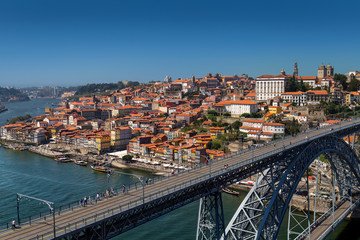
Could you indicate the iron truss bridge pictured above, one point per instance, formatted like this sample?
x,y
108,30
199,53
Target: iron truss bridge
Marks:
x,y
282,166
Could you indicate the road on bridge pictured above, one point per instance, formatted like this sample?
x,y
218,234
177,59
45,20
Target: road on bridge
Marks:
x,y
71,220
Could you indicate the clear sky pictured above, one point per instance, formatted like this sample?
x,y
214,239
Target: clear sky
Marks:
x,y
74,42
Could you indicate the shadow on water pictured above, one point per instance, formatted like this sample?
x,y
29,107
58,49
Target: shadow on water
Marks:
x,y
351,231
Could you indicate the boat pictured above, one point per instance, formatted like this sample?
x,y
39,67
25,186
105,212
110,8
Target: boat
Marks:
x,y
228,191
101,169
62,159
2,108
80,162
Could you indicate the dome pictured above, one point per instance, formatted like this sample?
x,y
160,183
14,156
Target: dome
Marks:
x,y
328,66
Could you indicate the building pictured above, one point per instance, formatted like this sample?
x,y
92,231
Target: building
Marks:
x,y
296,71
120,137
300,98
327,71
236,108
316,96
275,128
270,86
308,80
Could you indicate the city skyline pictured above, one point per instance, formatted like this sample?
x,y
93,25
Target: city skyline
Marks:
x,y
74,43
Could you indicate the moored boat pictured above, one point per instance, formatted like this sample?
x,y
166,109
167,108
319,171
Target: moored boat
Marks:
x,y
228,191
101,169
62,159
80,162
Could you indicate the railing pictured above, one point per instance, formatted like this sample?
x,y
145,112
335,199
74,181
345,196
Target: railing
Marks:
x,y
339,219
321,219
216,172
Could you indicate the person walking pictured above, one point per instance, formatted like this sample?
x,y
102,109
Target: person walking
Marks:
x,y
13,224
124,188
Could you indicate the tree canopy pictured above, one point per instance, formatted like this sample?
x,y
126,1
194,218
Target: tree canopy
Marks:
x,y
19,118
354,85
341,79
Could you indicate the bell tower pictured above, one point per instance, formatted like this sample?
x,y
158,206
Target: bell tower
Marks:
x,y
296,70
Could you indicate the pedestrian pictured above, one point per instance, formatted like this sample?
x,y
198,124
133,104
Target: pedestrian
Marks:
x,y
97,198
85,201
146,181
13,224
124,188
89,199
172,172
150,180
81,202
274,144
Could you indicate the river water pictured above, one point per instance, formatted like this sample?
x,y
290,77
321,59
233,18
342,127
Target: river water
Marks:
x,y
41,177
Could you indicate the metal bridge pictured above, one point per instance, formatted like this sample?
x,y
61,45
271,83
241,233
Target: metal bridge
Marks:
x,y
282,166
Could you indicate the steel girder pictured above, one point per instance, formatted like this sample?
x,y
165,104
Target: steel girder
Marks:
x,y
262,211
211,217
117,224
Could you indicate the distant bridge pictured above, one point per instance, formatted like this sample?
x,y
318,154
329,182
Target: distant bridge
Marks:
x,y
258,217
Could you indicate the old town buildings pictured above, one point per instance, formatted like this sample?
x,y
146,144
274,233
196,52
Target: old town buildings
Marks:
x,y
181,120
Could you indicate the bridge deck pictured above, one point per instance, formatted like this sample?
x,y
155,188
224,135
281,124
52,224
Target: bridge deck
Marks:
x,y
82,216
327,224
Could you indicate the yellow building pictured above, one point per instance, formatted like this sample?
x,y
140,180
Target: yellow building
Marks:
x,y
274,109
103,142
215,131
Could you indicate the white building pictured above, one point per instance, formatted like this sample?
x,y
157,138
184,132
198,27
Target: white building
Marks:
x,y
270,86
298,97
237,108
276,128
309,80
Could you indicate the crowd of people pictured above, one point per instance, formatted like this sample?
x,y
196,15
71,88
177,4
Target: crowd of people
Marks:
x,y
99,196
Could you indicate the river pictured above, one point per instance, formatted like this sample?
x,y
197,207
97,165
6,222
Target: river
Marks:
x,y
41,177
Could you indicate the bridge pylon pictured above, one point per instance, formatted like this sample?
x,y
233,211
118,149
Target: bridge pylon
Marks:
x,y
211,217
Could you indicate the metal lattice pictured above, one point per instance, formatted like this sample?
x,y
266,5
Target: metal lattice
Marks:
x,y
211,218
262,211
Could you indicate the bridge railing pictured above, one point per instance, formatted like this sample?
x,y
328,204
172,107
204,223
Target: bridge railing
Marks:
x,y
215,173
327,214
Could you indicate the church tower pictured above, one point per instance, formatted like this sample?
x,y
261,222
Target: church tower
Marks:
x,y
295,70
282,72
329,71
321,71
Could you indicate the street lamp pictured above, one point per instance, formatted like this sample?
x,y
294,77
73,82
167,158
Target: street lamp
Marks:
x,y
51,205
134,175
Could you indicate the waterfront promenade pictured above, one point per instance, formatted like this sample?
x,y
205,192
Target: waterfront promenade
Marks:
x,y
71,220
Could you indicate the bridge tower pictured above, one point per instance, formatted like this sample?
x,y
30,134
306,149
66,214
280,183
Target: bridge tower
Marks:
x,y
211,218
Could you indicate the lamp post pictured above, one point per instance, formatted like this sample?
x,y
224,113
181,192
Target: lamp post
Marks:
x,y
141,179
51,205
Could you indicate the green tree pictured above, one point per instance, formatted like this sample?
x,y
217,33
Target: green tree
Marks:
x,y
341,79
236,124
127,158
354,85
302,86
212,112
215,144
292,85
19,118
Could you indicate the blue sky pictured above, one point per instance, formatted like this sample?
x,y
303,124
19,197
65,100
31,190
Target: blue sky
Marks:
x,y
69,42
